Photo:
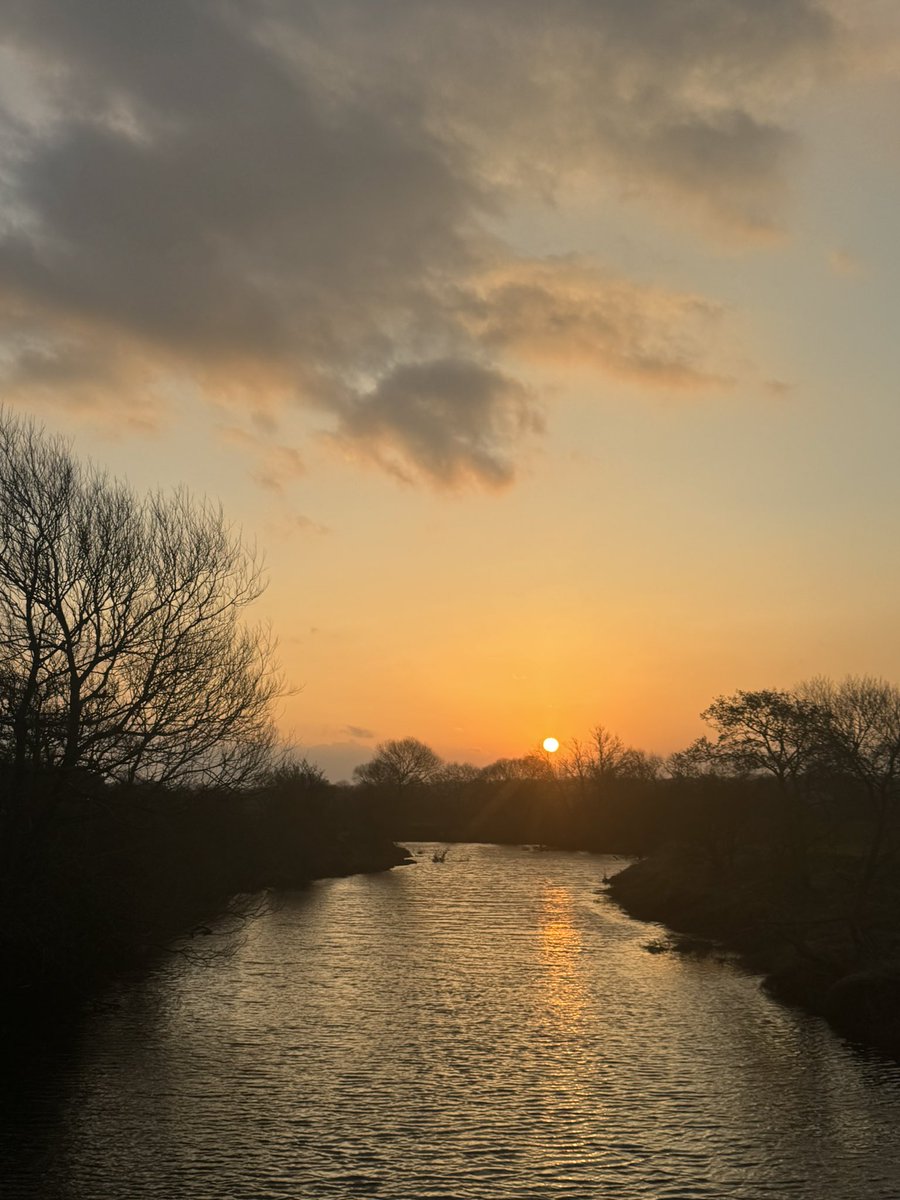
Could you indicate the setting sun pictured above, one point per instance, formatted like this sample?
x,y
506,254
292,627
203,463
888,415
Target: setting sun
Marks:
x,y
551,745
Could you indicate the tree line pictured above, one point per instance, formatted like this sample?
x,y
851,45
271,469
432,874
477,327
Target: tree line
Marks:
x,y
805,770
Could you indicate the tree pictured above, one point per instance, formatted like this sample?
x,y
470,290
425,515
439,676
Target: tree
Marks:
x,y
607,754
775,733
456,776
510,770
696,761
123,651
399,765
767,731
577,764
605,757
858,738
296,773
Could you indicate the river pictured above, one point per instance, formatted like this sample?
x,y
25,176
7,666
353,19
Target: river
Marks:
x,y
489,1027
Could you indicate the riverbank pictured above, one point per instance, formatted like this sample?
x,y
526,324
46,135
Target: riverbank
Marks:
x,y
118,877
800,939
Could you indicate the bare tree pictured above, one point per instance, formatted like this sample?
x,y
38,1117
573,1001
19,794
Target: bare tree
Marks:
x,y
577,764
123,650
605,757
608,753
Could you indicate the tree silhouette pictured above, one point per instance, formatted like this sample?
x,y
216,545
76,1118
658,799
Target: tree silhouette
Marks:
x,y
123,652
772,731
858,739
400,764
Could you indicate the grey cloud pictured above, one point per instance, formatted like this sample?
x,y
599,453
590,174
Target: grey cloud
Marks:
x,y
655,95
288,203
448,420
232,234
746,156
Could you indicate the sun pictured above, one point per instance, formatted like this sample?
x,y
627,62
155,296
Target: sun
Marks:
x,y
551,745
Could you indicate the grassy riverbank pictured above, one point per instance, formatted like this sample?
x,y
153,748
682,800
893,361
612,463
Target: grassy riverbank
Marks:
x,y
107,884
815,946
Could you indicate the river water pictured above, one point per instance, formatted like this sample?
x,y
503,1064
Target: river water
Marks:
x,y
489,1027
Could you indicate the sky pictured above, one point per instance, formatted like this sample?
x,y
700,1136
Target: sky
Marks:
x,y
547,353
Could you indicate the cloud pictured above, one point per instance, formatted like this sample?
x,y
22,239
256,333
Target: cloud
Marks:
x,y
447,420
569,311
288,524
276,465
298,204
45,363
356,731
683,100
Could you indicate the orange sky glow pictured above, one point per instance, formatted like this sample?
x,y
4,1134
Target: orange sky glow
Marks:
x,y
548,356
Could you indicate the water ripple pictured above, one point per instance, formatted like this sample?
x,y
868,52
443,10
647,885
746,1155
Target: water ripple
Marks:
x,y
483,1028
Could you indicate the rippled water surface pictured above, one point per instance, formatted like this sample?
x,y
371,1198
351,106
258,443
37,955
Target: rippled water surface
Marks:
x,y
489,1027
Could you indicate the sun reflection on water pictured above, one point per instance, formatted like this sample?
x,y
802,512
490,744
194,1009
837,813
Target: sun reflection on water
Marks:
x,y
561,985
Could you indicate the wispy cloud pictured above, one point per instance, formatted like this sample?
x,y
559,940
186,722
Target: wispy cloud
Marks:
x,y
569,311
276,465
289,524
357,731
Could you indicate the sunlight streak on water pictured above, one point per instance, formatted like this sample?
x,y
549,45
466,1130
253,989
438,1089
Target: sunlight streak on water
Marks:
x,y
489,1027
560,985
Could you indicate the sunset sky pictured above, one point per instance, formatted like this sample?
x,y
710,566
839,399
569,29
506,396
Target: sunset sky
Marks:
x,y
549,352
